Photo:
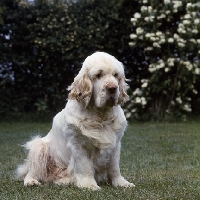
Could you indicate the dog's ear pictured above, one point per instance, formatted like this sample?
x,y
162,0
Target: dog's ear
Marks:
x,y
123,87
81,89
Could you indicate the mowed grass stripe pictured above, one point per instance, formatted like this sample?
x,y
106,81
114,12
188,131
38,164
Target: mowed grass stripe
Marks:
x,y
162,160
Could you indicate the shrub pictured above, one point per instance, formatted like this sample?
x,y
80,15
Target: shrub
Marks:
x,y
168,32
45,42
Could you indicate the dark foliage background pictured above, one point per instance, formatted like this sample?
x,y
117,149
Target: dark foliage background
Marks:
x,y
45,42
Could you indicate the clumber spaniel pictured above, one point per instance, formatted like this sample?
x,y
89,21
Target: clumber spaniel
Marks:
x,y
83,146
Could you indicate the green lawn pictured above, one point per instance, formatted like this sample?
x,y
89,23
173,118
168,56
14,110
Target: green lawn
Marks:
x,y
162,160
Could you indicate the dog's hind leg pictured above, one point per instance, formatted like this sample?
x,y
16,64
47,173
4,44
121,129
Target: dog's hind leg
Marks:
x,y
30,180
36,162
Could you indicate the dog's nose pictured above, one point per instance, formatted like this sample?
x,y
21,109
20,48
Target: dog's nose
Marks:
x,y
111,88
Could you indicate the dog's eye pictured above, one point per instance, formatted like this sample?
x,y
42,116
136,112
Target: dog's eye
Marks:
x,y
116,75
98,75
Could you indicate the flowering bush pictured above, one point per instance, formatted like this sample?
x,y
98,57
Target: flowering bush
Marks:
x,y
169,33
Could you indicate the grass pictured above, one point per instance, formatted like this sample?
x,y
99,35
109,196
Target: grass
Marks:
x,y
162,160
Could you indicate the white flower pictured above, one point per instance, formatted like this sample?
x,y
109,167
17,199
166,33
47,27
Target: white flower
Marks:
x,y
181,25
189,5
137,15
137,92
197,71
189,67
133,19
143,101
145,1
187,108
180,30
152,69
128,115
170,40
139,30
194,14
186,22
194,91
167,1
160,61
195,31
166,69
152,18
177,4
178,100
152,38
193,41
149,49
176,36
162,41
149,8
197,21
170,62
172,103
198,41
147,19
182,40
138,100
147,35
133,36
144,85
143,8
188,98
170,59
160,65
161,16
158,33
175,10
133,110
181,44
155,44
131,44
152,34
187,16
144,80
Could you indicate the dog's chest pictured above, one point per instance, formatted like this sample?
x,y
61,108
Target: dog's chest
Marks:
x,y
103,135
101,158
102,132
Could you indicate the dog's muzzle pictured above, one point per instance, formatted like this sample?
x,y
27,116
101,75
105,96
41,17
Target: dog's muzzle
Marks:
x,y
111,88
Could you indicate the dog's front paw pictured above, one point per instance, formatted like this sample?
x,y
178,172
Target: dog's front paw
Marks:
x,y
121,182
63,181
91,186
87,183
31,181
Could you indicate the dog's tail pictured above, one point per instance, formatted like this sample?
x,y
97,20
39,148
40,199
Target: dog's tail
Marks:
x,y
36,161
21,171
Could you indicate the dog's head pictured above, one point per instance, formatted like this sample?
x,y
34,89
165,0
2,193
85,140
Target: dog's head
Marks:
x,y
100,81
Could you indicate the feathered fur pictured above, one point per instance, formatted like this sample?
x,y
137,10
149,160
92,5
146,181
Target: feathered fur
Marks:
x,y
83,146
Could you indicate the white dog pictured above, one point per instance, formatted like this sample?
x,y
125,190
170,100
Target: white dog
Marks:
x,y
83,146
